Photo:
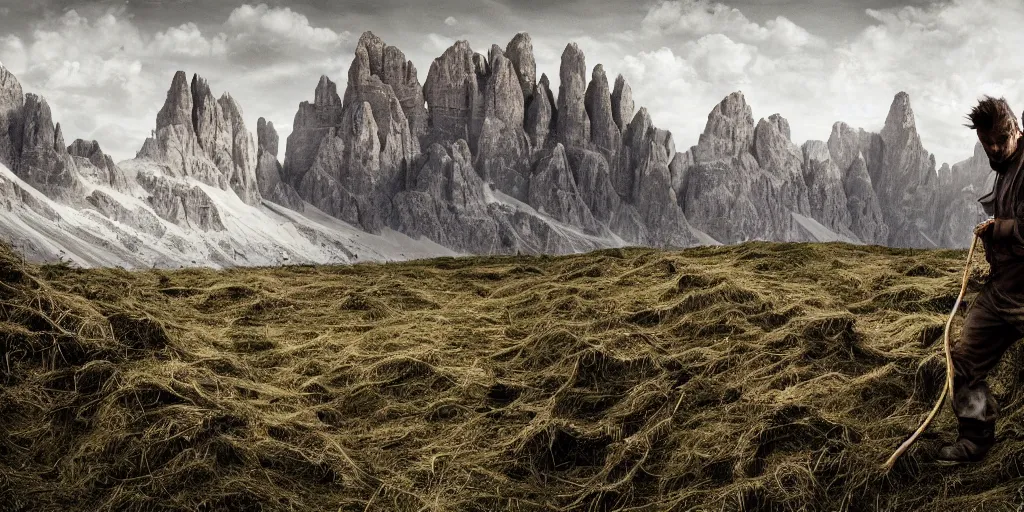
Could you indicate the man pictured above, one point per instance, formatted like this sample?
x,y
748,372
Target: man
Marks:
x,y
995,319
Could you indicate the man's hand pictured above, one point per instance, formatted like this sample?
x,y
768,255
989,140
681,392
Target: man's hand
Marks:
x,y
984,226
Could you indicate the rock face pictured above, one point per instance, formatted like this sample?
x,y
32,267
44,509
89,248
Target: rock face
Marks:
x,y
378,66
906,178
541,114
349,158
444,200
269,170
93,163
310,126
622,103
851,151
43,161
955,208
573,126
605,133
751,182
341,178
825,192
203,138
12,100
589,159
520,52
553,192
454,94
503,149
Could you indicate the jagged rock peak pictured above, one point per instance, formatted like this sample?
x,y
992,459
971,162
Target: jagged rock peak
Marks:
x,y
781,124
503,94
540,115
12,99
604,133
7,79
385,61
544,82
58,140
622,103
326,93
85,149
177,107
900,115
573,125
495,52
734,106
374,48
231,109
642,118
266,136
520,51
38,122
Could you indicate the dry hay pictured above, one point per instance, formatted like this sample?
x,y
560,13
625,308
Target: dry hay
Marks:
x,y
761,376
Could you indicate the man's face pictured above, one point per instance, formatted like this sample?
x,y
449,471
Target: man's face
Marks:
x,y
999,144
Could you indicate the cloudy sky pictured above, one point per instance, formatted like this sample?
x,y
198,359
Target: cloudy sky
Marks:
x,y
105,66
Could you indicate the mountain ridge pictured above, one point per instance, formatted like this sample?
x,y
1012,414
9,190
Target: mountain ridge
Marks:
x,y
484,158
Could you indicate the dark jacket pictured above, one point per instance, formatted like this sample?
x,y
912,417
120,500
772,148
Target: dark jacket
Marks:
x,y
1004,240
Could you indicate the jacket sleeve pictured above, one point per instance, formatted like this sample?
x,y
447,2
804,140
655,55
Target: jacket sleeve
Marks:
x,y
1010,230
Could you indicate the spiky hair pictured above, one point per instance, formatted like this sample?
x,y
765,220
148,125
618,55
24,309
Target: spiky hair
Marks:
x,y
992,114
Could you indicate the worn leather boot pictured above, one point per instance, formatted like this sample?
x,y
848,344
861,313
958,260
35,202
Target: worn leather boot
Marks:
x,y
975,439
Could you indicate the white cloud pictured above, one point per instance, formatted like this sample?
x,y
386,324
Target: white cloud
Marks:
x,y
696,18
279,26
187,40
13,55
451,21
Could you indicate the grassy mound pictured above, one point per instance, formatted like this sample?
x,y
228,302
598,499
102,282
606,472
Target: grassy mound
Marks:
x,y
761,376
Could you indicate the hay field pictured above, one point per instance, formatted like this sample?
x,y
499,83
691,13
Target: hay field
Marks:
x,y
761,376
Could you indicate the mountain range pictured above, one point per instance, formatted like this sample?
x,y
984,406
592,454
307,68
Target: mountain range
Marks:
x,y
482,157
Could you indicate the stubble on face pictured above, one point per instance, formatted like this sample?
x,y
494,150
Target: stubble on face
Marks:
x,y
1000,143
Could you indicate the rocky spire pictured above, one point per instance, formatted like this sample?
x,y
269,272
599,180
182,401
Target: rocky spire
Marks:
x,y
520,51
266,137
12,99
58,140
177,109
107,171
604,132
503,99
572,125
41,164
377,65
906,177
326,94
269,170
240,154
866,220
622,103
454,94
540,117
204,138
729,131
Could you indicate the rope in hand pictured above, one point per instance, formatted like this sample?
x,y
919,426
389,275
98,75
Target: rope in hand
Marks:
x,y
948,387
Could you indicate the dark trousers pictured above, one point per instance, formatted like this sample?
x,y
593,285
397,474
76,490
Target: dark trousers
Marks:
x,y
994,322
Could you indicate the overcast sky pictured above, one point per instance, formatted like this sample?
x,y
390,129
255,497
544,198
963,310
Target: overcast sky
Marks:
x,y
105,66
